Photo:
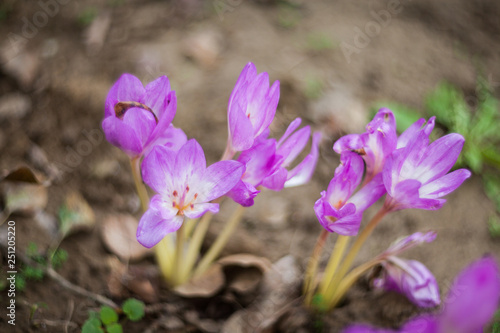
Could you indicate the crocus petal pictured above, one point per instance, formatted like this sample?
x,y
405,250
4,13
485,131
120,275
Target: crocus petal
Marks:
x,y
444,185
290,129
157,168
303,172
273,98
368,194
473,297
122,136
126,89
165,120
189,163
409,133
406,195
344,221
348,142
199,209
248,73
347,177
256,94
240,129
173,139
260,161
219,178
153,227
422,324
412,279
408,242
292,147
157,96
276,181
243,193
142,121
439,157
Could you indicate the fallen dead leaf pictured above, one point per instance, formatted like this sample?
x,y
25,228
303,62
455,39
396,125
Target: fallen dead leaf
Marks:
x,y
206,285
22,192
275,294
118,234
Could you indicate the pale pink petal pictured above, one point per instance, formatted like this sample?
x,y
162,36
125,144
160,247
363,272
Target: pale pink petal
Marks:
x,y
122,136
243,193
142,121
294,145
241,132
219,178
444,185
164,120
153,227
303,172
439,157
190,163
157,95
157,169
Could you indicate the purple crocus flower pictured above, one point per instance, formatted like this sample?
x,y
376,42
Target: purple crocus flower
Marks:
x,y
408,242
469,306
410,278
185,186
251,108
267,163
137,118
416,173
287,149
338,210
375,145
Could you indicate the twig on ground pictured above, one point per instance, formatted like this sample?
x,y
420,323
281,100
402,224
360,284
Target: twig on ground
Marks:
x,y
65,283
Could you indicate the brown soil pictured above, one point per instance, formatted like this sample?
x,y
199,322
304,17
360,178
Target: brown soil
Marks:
x,y
425,43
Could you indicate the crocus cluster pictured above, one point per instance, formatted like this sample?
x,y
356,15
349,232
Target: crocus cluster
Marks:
x,y
138,120
412,172
468,308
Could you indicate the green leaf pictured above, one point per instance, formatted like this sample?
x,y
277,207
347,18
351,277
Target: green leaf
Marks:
x,y
448,104
32,273
134,309
92,325
20,282
114,328
473,158
108,315
405,115
59,257
494,226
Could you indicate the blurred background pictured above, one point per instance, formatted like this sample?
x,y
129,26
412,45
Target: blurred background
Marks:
x,y
337,61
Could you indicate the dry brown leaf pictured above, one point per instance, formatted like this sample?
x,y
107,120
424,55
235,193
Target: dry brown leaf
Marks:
x,y
22,191
206,285
246,260
118,234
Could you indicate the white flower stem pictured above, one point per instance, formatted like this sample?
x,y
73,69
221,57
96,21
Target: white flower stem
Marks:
x,y
220,242
194,246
